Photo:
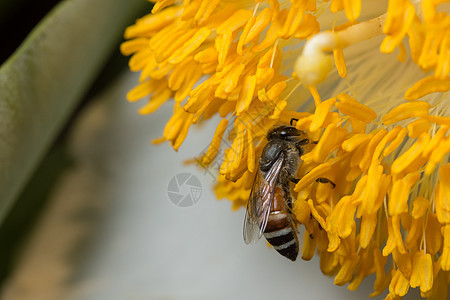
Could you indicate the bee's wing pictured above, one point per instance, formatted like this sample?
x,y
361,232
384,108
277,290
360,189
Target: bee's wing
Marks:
x,y
260,202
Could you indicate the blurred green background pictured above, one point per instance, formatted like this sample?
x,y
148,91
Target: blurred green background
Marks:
x,y
33,151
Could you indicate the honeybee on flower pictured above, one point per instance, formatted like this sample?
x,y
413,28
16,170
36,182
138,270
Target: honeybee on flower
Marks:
x,y
381,116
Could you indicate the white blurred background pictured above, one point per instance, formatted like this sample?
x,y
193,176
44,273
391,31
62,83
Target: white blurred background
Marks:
x,y
110,231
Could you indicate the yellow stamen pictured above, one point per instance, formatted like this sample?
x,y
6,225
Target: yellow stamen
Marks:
x,y
352,9
223,46
214,146
133,46
251,159
246,95
315,94
158,99
398,200
355,141
301,211
244,34
321,112
161,4
420,207
315,173
230,82
309,247
294,18
205,10
308,27
418,127
437,155
395,143
269,40
339,61
445,257
376,181
315,214
190,46
153,23
388,138
342,219
345,274
140,59
332,138
236,21
353,108
398,20
373,143
402,53
399,285
406,111
278,109
368,226
141,91
427,86
261,22
433,242
411,156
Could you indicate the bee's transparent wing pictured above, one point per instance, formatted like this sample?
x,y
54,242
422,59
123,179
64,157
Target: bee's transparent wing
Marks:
x,y
260,202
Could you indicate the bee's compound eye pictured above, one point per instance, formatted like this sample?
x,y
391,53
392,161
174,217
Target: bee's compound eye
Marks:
x,y
303,142
283,133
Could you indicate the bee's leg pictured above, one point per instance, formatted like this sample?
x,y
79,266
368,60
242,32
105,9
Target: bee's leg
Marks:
x,y
292,121
326,180
315,142
288,197
294,180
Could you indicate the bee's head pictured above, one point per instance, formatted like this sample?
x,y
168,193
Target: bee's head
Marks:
x,y
288,133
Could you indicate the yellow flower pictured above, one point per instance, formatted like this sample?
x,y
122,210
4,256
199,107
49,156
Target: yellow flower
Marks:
x,y
382,129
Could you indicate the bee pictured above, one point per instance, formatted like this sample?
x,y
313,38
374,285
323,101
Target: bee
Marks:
x,y
270,203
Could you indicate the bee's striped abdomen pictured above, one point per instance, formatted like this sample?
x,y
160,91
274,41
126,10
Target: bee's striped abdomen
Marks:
x,y
280,231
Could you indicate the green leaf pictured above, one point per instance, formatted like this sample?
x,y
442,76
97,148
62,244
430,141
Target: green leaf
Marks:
x,y
43,81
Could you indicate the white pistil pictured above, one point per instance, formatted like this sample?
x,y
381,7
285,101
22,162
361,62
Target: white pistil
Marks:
x,y
316,61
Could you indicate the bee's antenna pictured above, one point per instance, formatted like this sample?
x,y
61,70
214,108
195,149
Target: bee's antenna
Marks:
x,y
292,121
